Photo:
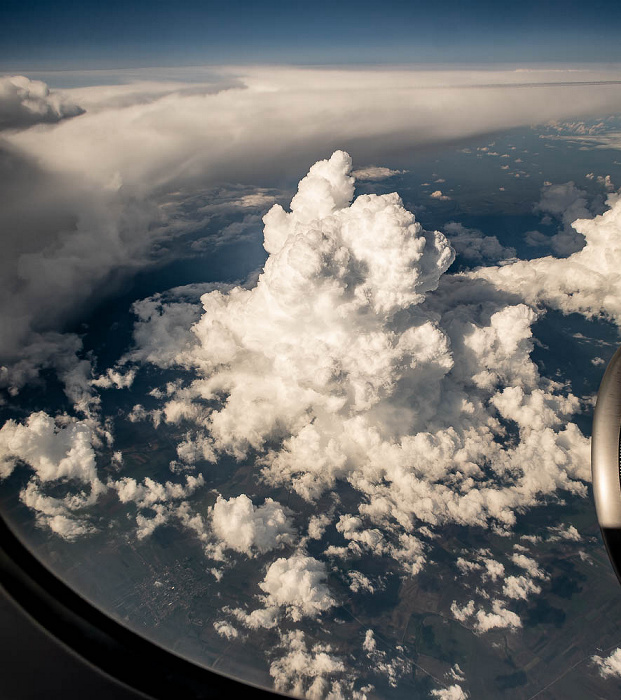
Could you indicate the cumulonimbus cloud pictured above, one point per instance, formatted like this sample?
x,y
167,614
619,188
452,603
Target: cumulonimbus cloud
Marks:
x,y
351,360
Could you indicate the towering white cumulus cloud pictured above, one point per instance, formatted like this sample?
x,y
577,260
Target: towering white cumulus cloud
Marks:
x,y
343,363
355,360
312,344
24,102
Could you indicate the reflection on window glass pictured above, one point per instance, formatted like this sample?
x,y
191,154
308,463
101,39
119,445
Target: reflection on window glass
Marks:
x,y
302,362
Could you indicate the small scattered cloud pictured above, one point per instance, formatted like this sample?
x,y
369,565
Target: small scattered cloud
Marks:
x,y
520,587
392,665
564,532
452,692
374,173
309,671
609,666
473,245
226,630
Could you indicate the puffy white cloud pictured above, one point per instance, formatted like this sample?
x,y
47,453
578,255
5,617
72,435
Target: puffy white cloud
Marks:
x,y
112,378
466,566
610,665
265,618
351,529
437,194
55,449
60,450
297,584
146,525
225,629
149,492
317,526
162,332
360,582
59,515
247,528
560,532
520,587
325,350
456,673
566,203
369,644
464,612
155,503
492,575
499,617
25,102
493,569
530,565
139,413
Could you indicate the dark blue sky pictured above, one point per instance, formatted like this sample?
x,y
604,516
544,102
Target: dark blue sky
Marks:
x,y
38,34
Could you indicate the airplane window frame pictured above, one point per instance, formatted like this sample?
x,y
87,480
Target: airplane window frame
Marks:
x,y
97,638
